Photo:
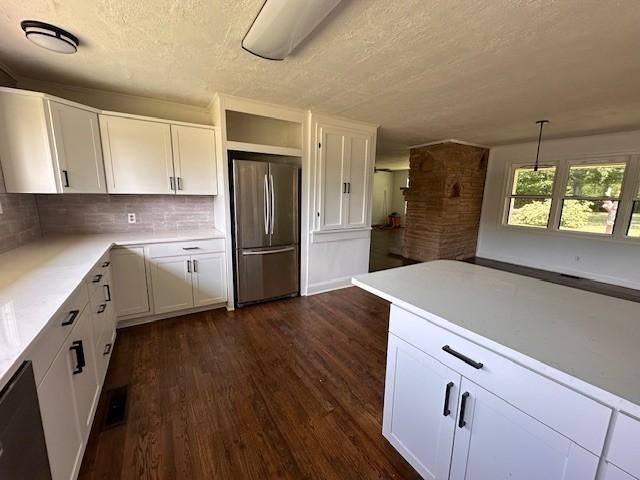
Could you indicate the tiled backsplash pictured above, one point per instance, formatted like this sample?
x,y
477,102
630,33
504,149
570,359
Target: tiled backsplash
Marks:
x,y
19,221
79,213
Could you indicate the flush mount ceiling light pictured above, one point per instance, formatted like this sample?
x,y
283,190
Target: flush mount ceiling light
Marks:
x,y
50,37
282,24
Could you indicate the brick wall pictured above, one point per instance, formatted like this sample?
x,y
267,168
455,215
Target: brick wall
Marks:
x,y
19,222
444,199
78,213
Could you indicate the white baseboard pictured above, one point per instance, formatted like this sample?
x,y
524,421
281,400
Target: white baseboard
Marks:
x,y
130,322
329,285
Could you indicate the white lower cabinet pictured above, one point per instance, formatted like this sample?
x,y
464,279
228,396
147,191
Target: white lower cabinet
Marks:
x,y
448,427
420,410
171,280
68,395
129,281
494,439
611,472
182,282
209,279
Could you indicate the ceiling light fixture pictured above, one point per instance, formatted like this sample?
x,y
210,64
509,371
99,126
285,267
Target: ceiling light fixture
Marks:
x,y
50,37
281,25
542,124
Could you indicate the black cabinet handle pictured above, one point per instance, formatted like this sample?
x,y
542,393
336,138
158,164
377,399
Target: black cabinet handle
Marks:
x,y
108,292
66,178
73,314
447,393
463,407
464,358
78,349
102,308
107,349
344,188
349,187
105,264
195,266
97,278
189,266
191,248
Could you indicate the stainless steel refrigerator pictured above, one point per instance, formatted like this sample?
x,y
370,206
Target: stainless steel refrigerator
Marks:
x,y
266,230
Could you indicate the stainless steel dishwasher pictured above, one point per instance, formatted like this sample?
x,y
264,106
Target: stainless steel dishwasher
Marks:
x,y
23,452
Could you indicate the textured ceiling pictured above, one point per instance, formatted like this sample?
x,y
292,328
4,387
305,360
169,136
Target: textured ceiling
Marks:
x,y
477,70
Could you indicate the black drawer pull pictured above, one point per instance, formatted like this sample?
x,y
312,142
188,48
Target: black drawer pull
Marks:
x,y
463,407
102,308
191,248
108,293
107,349
105,264
78,349
97,278
73,314
447,393
464,358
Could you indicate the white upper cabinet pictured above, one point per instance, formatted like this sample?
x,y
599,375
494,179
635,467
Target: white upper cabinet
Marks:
x,y
137,155
147,156
344,176
47,146
77,148
359,181
194,160
333,187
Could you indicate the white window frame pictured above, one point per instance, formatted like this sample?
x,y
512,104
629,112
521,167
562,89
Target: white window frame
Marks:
x,y
628,194
509,195
635,198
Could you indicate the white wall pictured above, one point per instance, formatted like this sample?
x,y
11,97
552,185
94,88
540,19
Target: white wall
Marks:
x,y
120,102
382,197
606,260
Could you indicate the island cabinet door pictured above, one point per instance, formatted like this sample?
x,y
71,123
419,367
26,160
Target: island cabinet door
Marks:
x,y
493,439
420,408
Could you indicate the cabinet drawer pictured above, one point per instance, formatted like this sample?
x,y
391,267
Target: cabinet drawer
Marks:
x,y
579,418
624,449
47,346
186,248
100,270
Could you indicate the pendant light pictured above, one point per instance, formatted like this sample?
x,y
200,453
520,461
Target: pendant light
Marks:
x,y
281,25
542,124
50,37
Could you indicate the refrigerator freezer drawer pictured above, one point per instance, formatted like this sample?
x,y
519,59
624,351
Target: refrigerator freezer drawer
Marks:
x,y
267,273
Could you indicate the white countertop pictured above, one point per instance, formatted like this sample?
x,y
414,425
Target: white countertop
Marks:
x,y
590,337
36,279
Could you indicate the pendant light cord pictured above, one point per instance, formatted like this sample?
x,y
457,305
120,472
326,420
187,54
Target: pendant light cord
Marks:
x,y
541,123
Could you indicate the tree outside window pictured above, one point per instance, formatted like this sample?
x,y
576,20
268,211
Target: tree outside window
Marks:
x,y
530,198
634,226
592,196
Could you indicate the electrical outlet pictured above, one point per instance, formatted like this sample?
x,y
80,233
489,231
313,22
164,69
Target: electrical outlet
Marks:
x,y
131,217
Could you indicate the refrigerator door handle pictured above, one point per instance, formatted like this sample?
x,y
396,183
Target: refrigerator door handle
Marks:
x,y
266,205
273,208
267,252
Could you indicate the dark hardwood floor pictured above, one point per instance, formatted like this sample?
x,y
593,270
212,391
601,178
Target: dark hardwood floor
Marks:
x,y
386,248
289,389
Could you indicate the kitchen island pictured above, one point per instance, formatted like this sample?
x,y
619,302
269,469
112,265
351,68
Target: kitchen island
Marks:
x,y
496,375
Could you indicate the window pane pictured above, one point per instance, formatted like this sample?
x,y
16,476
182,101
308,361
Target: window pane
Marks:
x,y
595,180
528,182
634,228
529,212
588,216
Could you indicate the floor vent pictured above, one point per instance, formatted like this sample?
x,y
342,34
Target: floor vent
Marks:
x,y
116,413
